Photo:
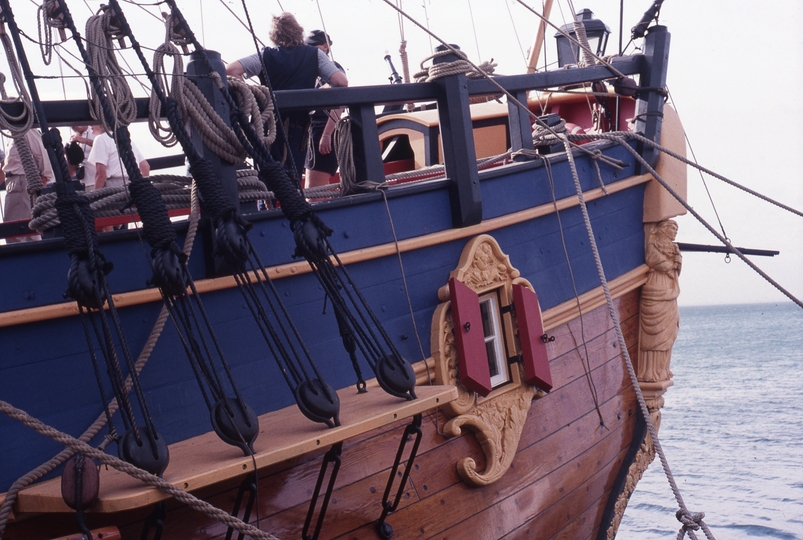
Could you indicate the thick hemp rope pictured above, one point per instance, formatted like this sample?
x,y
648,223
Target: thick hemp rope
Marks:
x,y
175,191
100,422
172,86
689,521
253,100
122,466
99,46
17,126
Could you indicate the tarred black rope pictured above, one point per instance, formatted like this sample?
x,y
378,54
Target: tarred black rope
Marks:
x,y
86,277
233,243
309,231
294,206
157,227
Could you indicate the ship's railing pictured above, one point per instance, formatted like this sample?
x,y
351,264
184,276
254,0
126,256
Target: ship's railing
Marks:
x,y
451,94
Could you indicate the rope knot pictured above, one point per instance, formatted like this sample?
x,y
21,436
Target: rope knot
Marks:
x,y
690,520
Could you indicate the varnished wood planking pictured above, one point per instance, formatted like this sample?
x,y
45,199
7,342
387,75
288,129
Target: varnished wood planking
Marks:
x,y
369,455
614,362
432,440
206,460
559,410
531,504
342,494
548,525
456,509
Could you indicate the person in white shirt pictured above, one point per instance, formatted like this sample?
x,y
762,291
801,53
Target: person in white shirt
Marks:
x,y
84,138
109,169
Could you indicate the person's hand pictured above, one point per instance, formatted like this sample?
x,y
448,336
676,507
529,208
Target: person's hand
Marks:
x,y
325,146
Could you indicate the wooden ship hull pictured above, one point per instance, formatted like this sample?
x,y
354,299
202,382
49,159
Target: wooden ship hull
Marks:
x,y
557,458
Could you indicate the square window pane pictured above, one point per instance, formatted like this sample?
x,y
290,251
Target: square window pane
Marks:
x,y
487,323
493,363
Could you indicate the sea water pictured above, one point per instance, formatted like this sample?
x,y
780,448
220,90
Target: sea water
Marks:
x,y
732,427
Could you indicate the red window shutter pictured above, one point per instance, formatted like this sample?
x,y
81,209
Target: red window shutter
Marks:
x,y
531,328
469,339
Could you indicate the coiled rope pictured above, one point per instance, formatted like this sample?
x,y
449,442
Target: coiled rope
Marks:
x,y
175,191
102,60
17,126
454,67
172,86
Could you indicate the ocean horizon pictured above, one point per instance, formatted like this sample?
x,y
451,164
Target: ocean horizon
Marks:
x,y
731,427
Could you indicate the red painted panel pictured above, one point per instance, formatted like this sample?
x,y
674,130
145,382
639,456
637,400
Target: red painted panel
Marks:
x,y
469,339
531,328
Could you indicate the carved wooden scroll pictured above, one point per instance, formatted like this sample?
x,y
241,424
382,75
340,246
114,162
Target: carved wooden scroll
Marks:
x,y
498,419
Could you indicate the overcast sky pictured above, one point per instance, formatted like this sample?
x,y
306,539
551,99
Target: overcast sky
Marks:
x,y
735,74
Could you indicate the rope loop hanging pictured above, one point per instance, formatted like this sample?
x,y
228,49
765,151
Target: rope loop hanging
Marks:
x,y
101,32
172,86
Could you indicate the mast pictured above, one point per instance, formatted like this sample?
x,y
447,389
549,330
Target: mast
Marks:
x,y
535,50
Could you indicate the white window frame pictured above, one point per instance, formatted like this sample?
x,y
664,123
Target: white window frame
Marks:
x,y
490,303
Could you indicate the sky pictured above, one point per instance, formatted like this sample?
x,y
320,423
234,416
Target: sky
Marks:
x,y
735,73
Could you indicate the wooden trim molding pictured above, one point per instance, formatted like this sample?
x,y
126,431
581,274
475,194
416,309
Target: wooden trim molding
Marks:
x,y
68,309
562,313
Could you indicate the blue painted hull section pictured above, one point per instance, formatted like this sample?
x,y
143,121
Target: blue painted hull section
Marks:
x,y
46,370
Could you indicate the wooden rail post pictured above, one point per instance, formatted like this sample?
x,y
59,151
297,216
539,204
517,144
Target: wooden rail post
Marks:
x,y
199,75
650,106
457,137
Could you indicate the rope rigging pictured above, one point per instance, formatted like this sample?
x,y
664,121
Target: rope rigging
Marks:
x,y
78,445
360,328
313,244
142,446
690,522
175,191
100,421
621,137
233,420
315,398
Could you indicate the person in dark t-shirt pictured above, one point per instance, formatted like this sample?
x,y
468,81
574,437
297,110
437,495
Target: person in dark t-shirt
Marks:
x,y
321,163
290,65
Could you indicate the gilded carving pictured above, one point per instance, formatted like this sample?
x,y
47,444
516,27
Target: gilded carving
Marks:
x,y
659,329
498,419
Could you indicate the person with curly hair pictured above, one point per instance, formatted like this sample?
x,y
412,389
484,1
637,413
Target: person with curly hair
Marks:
x,y
290,65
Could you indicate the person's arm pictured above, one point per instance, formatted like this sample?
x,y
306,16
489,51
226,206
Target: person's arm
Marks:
x,y
100,175
144,168
329,72
338,79
236,70
325,144
81,140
